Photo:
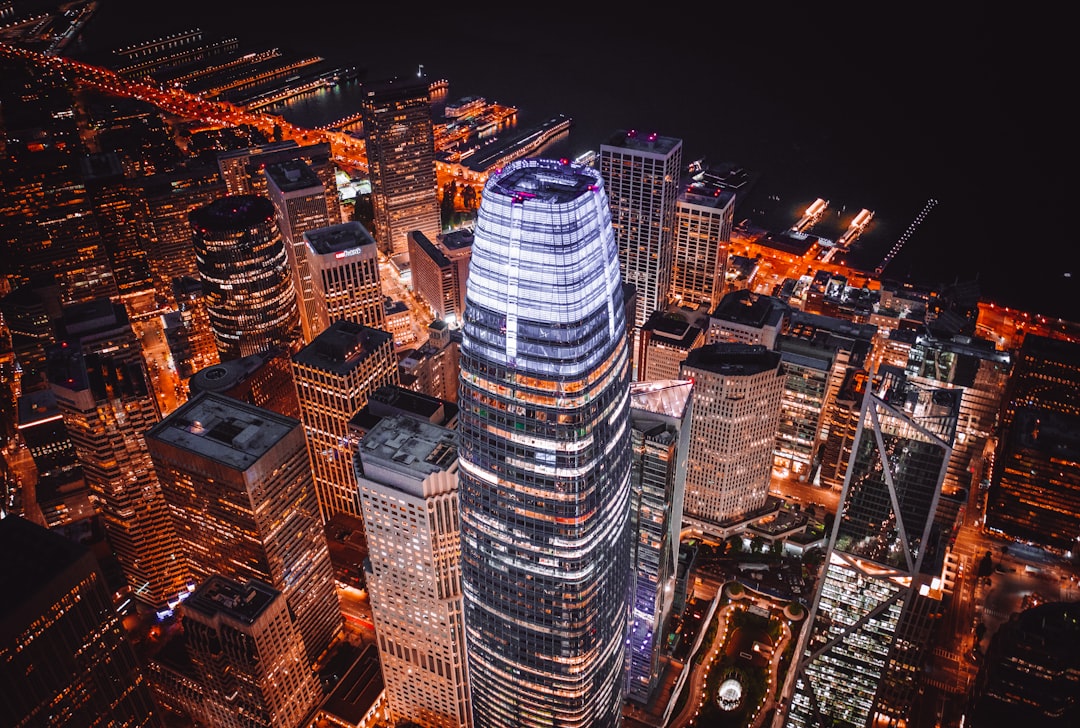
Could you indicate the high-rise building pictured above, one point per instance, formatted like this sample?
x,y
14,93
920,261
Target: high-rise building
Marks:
x,y
660,415
812,373
107,405
238,483
544,452
264,380
187,330
64,658
737,393
300,205
344,264
244,269
400,143
242,170
704,218
1035,487
407,474
749,318
666,340
642,174
335,374
440,270
851,661
248,656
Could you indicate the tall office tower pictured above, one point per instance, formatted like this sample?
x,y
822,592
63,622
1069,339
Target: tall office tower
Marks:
x,y
407,472
400,139
264,380
64,658
748,318
335,374
238,483
545,462
660,419
344,264
704,217
843,424
812,375
245,274
242,169
1035,487
666,340
737,393
248,656
883,533
60,491
170,197
187,330
440,270
300,205
433,368
107,406
642,174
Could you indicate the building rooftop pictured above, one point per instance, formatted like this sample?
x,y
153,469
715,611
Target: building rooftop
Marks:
x,y
37,406
750,309
546,180
230,432
342,346
642,141
291,175
232,213
342,238
674,331
357,691
457,239
242,602
409,445
668,397
733,358
33,555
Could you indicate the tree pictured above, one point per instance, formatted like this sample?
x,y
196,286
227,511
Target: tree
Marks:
x,y
735,544
757,543
980,631
986,565
468,197
277,133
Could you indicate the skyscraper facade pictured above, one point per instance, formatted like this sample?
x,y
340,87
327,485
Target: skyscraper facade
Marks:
x,y
849,651
660,414
244,269
407,474
737,393
400,139
440,270
344,264
335,374
299,201
642,174
238,483
544,453
704,218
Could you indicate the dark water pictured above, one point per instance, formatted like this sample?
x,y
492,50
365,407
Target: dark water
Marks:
x,y
882,113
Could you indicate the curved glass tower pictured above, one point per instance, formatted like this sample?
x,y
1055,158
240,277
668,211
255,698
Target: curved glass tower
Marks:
x,y
545,453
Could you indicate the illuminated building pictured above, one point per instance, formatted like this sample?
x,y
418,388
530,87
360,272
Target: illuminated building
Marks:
x,y
544,453
64,657
440,270
60,491
248,656
399,322
842,423
242,170
400,143
642,174
300,205
245,274
334,375
264,380
238,483
407,474
358,700
737,394
704,217
187,330
1035,486
747,318
853,658
107,405
433,368
665,342
812,373
344,264
659,413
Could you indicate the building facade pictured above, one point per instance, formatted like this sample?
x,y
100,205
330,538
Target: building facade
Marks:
x,y
642,174
407,475
335,374
244,268
238,483
704,218
400,143
440,270
344,264
544,453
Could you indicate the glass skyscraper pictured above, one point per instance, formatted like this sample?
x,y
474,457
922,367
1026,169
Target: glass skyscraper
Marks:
x,y
545,452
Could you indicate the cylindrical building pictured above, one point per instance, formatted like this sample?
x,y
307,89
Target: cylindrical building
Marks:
x,y
245,273
545,452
